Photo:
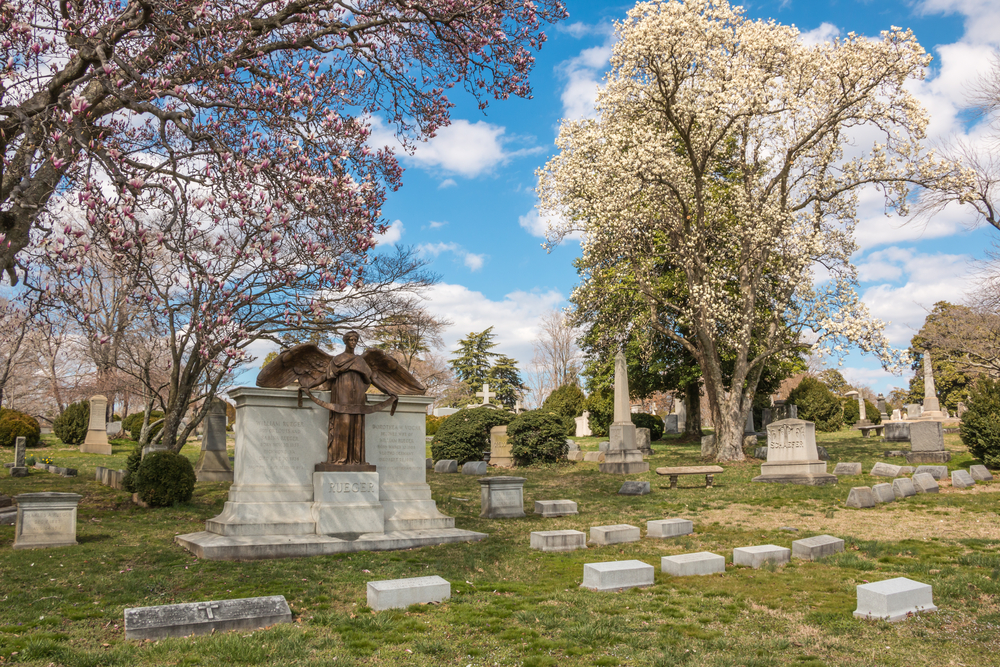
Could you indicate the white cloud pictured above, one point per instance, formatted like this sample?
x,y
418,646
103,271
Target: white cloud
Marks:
x,y
826,32
447,183
582,74
514,318
473,261
868,377
537,224
981,17
436,225
391,235
580,29
875,228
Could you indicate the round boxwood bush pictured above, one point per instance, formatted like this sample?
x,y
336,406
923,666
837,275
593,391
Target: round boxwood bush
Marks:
x,y
980,426
465,435
71,425
567,402
15,424
852,414
133,424
163,479
652,422
818,404
433,424
131,467
537,437
600,404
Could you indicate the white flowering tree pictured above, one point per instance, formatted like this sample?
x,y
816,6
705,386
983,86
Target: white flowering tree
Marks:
x,y
721,176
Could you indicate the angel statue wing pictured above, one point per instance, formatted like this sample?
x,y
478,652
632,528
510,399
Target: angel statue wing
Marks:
x,y
304,363
389,376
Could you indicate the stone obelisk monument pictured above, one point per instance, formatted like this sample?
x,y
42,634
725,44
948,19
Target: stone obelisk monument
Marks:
x,y
96,441
623,456
932,407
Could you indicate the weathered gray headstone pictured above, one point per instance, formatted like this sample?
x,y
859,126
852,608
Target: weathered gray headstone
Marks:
x,y
664,528
912,411
907,470
883,493
430,464
474,468
708,446
213,462
881,469
961,479
633,488
670,424
757,556
615,534
500,448
926,436
792,455
114,429
551,508
925,483
821,453
617,575
697,564
847,469
793,411
603,446
903,487
597,457
571,446
894,599
860,497
502,497
575,455
558,540
814,548
980,473
200,618
401,593
897,414
642,440
897,431
446,465
45,520
760,453
19,469
937,472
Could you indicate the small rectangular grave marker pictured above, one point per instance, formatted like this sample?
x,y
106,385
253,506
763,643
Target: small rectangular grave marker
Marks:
x,y
883,493
446,465
860,496
961,479
474,468
937,472
551,508
558,540
662,528
616,534
199,618
617,575
594,457
925,483
46,520
814,548
980,473
885,470
903,488
502,497
894,599
401,593
686,565
756,556
634,488
847,469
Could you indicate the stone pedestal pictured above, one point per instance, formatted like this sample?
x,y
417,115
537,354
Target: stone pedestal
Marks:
x,y
96,441
792,457
623,456
927,443
213,464
500,455
502,497
346,503
45,520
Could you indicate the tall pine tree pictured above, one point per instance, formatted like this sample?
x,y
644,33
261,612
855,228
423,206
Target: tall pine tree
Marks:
x,y
505,380
473,359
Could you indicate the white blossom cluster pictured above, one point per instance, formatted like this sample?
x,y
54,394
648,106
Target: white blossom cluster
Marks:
x,y
722,160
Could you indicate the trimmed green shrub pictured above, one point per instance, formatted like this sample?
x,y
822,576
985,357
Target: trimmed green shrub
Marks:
x,y
133,424
433,424
816,403
652,422
164,479
71,425
15,424
852,414
131,467
600,404
980,426
566,402
537,436
465,435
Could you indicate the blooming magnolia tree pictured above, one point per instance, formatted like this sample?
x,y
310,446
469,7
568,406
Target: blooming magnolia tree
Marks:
x,y
720,178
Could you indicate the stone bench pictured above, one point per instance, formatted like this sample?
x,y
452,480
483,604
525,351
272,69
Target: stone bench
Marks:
x,y
894,599
813,548
757,556
617,575
558,540
662,528
616,534
551,508
686,565
401,593
866,430
708,471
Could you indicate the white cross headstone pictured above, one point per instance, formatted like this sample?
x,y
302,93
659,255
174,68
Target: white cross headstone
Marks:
x,y
485,394
518,408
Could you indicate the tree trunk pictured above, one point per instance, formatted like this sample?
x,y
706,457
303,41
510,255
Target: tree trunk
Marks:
x,y
692,401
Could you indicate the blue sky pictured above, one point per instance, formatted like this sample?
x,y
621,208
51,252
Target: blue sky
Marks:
x,y
468,199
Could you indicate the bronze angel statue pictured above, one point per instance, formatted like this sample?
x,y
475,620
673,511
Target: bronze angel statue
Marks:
x,y
347,377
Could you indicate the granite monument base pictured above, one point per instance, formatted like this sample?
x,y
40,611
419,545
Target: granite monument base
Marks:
x,y
808,473
927,457
213,466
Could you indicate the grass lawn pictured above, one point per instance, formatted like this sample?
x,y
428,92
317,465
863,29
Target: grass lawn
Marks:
x,y
514,606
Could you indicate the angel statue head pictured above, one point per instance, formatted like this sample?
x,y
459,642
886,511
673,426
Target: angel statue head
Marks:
x,y
347,377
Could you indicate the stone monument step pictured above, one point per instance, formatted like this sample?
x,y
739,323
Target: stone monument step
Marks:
x,y
686,565
894,599
211,546
617,575
401,593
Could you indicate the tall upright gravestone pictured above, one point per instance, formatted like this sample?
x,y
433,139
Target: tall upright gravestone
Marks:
x,y
792,457
500,455
97,430
932,407
623,456
213,464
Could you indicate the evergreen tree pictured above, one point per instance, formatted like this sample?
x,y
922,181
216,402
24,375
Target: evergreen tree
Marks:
x,y
505,379
951,377
473,359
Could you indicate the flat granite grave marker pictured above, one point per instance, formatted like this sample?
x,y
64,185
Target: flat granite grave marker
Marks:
x,y
883,493
45,520
502,497
925,483
617,575
961,479
881,469
937,472
616,534
814,548
792,457
634,488
201,618
551,508
847,469
401,593
446,465
757,556
980,473
894,599
558,540
696,564
663,528
903,488
860,497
